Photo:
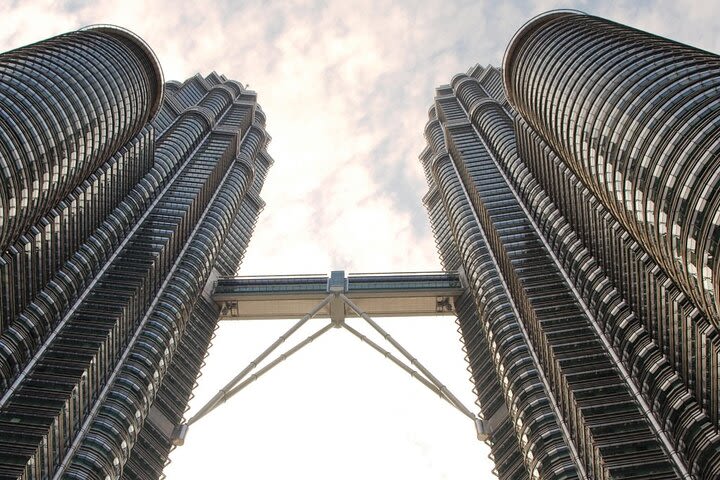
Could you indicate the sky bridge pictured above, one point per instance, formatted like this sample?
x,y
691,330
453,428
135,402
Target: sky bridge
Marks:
x,y
336,297
377,294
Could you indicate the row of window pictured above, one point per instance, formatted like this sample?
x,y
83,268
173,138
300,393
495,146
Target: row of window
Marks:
x,y
637,118
620,323
151,449
24,334
127,268
38,254
675,327
449,256
263,162
236,242
96,333
639,279
98,323
154,349
573,257
536,425
505,448
70,103
523,390
232,216
557,327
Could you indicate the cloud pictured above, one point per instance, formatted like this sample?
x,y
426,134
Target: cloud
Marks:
x,y
25,23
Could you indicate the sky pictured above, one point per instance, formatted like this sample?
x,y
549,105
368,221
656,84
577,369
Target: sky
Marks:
x,y
346,87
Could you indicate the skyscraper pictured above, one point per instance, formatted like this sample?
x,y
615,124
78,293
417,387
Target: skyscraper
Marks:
x,y
121,199
581,201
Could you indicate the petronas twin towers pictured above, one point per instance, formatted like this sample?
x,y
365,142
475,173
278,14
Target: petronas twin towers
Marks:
x,y
576,190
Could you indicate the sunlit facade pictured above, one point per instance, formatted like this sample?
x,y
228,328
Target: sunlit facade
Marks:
x,y
583,208
121,200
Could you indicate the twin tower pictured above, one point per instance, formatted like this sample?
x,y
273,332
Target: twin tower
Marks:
x,y
576,190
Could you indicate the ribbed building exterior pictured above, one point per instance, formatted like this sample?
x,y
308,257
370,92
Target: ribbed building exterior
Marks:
x,y
578,189
121,199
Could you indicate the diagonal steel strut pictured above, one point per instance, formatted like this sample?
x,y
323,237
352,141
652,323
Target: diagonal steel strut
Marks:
x,y
280,358
409,370
224,392
447,394
423,375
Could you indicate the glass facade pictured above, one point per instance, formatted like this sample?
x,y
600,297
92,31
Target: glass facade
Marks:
x,y
636,118
121,198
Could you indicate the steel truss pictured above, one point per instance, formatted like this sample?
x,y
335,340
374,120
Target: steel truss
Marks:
x,y
246,377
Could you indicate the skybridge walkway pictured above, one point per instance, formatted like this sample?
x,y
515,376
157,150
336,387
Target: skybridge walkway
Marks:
x,y
377,294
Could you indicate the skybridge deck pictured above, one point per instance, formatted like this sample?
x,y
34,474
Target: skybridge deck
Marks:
x,y
378,294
